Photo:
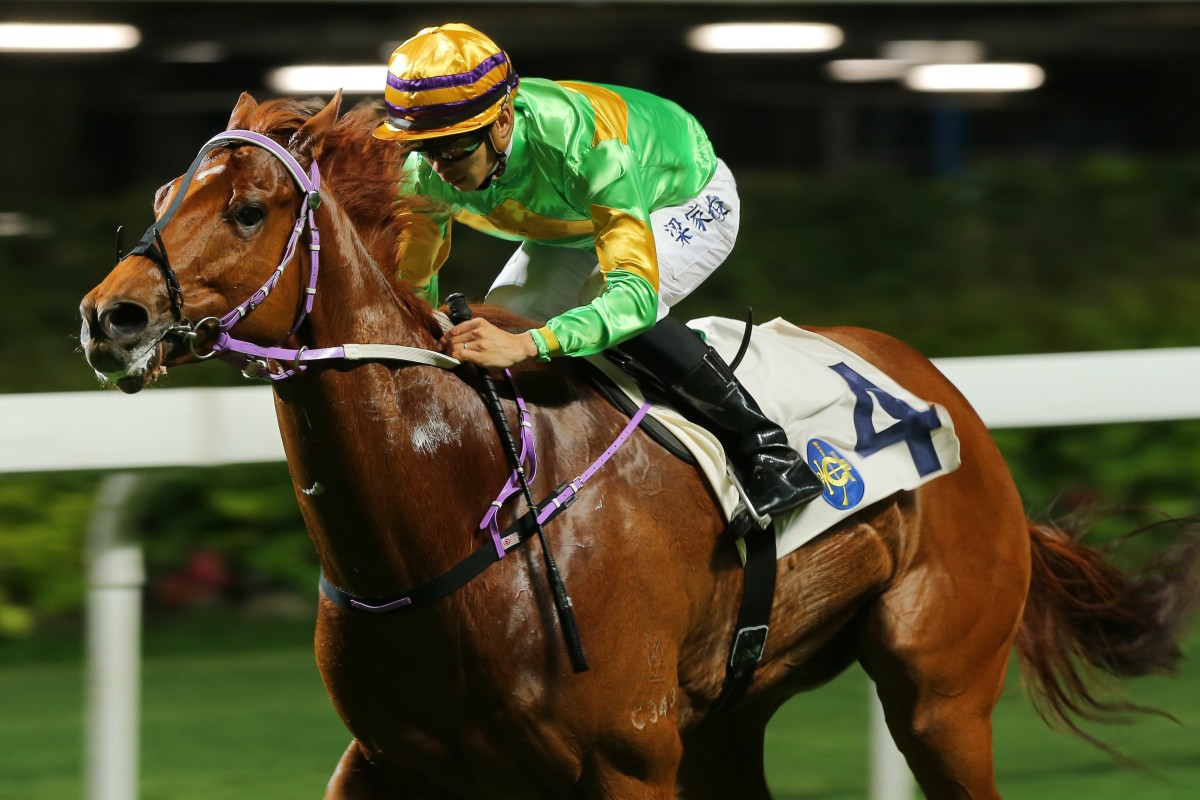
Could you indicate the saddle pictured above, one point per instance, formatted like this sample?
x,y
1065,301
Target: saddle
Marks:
x,y
620,399
864,435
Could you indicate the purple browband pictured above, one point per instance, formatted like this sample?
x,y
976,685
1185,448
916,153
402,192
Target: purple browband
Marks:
x,y
253,357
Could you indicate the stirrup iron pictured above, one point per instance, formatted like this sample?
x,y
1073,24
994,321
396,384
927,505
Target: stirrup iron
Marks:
x,y
761,521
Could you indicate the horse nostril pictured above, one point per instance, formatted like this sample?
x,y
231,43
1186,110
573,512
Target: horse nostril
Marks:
x,y
124,321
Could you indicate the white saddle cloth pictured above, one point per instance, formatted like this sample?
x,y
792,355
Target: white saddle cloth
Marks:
x,y
864,436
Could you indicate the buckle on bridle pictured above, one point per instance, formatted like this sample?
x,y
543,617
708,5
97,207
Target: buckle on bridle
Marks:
x,y
190,333
256,368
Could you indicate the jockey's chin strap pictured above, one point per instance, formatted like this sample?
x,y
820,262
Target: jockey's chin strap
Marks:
x,y
254,359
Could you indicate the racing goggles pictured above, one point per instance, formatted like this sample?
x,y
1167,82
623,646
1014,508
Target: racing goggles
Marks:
x,y
452,149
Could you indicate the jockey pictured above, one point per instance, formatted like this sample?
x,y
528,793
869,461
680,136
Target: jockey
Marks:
x,y
621,209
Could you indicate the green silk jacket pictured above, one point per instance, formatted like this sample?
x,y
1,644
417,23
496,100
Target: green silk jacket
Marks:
x,y
587,165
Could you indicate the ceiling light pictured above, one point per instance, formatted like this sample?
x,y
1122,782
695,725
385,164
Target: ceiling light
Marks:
x,y
17,37
975,77
919,51
204,52
859,70
765,37
350,78
14,223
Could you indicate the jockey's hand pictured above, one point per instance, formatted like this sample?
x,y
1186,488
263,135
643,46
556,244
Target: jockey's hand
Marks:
x,y
478,341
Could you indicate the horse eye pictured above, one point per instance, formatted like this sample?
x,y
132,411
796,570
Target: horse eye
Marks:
x,y
250,215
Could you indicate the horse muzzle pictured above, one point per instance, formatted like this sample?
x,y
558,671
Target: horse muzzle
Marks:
x,y
122,343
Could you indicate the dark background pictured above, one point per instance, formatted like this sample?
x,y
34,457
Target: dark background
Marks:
x,y
848,186
1120,76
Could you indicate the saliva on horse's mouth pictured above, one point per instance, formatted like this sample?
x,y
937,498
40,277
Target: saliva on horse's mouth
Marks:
x,y
140,371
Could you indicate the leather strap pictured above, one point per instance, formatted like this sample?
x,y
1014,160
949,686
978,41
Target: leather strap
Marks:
x,y
457,576
750,631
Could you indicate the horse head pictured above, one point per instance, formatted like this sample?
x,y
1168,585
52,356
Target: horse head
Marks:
x,y
218,235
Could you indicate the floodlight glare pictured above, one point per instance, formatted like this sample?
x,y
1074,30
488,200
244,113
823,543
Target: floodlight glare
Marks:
x,y
20,37
862,70
975,77
765,37
921,51
350,78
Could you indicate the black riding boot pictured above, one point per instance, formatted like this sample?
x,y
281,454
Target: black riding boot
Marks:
x,y
773,474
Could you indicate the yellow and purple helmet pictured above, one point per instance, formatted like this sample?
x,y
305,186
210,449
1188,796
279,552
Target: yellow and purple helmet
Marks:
x,y
445,81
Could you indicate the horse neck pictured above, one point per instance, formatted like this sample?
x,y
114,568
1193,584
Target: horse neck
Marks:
x,y
355,301
385,444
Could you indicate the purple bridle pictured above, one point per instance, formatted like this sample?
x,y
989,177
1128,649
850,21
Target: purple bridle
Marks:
x,y
253,358
228,348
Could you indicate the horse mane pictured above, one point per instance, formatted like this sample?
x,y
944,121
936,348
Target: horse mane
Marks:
x,y
363,172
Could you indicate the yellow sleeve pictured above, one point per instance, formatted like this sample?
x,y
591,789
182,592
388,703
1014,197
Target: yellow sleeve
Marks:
x,y
421,249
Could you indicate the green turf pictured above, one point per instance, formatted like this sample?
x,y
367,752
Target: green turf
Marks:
x,y
817,747
237,710
228,711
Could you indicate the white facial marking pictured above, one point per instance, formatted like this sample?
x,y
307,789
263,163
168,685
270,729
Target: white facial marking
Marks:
x,y
208,173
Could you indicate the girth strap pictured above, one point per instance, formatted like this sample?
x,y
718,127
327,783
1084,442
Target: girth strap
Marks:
x,y
750,631
461,573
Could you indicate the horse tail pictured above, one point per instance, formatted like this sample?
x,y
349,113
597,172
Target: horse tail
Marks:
x,y
1084,614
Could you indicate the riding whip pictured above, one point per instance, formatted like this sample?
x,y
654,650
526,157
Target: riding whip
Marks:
x,y
461,312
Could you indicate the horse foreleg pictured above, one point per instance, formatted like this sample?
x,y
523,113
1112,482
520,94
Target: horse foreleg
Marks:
x,y
724,759
608,782
355,778
358,778
619,769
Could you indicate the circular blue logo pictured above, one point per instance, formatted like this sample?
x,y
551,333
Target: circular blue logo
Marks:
x,y
843,484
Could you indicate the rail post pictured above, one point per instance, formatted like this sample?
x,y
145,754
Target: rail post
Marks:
x,y
116,575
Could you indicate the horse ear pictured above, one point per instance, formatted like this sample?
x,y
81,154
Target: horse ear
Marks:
x,y
240,118
162,196
307,142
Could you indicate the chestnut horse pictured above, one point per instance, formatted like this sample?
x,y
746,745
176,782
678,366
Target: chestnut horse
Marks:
x,y
472,695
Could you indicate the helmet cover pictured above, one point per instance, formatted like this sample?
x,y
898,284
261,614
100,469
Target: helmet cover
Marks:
x,y
446,80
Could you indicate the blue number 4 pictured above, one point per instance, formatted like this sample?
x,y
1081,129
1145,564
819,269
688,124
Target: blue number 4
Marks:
x,y
911,427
